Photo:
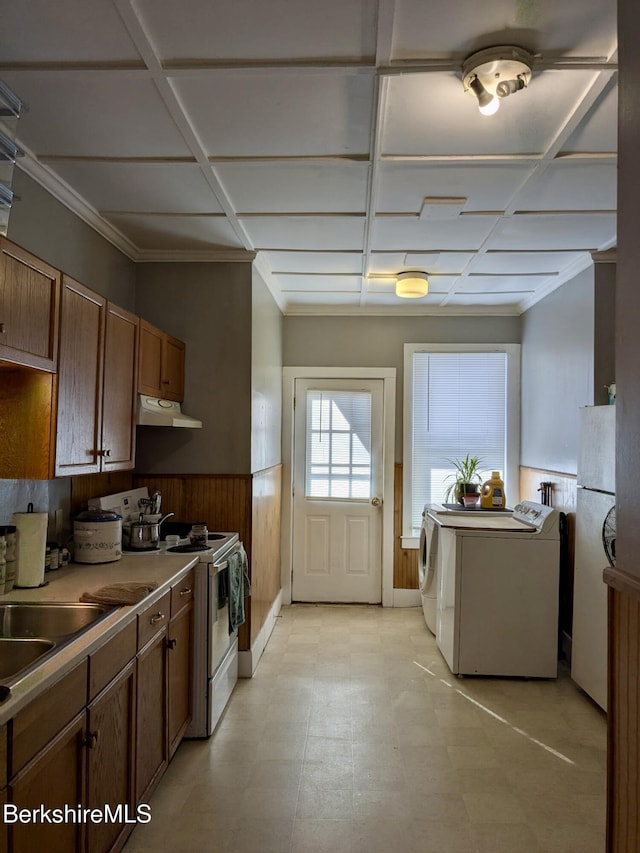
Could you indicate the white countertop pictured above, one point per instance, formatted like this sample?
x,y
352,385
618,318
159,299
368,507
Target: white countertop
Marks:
x,y
67,585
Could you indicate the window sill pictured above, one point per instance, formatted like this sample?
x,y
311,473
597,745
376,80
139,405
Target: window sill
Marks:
x,y
410,542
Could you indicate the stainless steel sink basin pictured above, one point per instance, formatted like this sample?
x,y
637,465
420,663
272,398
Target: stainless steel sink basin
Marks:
x,y
48,621
17,655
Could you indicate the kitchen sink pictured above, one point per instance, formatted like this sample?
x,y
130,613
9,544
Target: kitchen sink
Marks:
x,y
48,621
17,655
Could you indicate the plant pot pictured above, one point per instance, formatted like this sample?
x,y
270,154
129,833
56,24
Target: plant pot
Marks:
x,y
467,489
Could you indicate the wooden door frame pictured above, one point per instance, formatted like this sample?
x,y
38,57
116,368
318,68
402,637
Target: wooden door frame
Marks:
x,y
388,377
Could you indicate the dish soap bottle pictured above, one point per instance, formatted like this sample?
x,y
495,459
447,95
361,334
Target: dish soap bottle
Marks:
x,y
492,494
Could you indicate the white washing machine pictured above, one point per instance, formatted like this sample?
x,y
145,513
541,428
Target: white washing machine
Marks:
x,y
498,590
428,567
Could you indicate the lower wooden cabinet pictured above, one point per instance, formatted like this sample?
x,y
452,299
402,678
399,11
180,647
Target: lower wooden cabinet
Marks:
x,y
151,739
55,779
110,741
179,645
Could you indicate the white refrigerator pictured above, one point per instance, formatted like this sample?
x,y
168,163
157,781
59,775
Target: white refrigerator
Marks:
x,y
595,498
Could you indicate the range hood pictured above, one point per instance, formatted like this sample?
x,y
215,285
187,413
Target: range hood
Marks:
x,y
155,412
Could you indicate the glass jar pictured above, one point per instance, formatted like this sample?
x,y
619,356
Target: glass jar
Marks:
x,y
199,534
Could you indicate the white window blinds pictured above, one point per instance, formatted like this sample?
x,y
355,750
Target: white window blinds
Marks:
x,y
459,407
338,443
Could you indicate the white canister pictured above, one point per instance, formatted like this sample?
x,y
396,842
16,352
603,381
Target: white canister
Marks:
x,y
97,536
31,540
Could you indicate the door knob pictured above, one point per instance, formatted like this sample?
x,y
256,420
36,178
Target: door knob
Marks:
x,y
375,501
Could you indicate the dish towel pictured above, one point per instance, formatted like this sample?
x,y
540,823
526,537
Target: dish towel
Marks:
x,y
239,586
120,593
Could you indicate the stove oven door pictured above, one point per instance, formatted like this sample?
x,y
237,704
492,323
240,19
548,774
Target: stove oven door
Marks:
x,y
219,640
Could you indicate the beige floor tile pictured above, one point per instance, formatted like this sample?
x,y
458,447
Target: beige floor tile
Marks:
x,y
342,743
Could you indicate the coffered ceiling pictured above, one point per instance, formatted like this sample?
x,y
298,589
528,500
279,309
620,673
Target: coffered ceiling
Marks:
x,y
309,134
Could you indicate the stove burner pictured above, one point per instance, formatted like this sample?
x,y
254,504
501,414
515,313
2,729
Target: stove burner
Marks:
x,y
187,549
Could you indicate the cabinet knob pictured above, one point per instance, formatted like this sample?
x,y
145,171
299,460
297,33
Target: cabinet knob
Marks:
x,y
166,382
157,618
172,643
2,329
186,591
91,740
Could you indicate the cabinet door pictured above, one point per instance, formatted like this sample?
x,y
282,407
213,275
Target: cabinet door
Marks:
x,y
110,758
180,657
151,715
78,433
173,369
55,777
119,396
150,363
29,302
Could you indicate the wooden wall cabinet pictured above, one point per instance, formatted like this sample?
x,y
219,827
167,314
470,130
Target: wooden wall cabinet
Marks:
x,y
161,364
96,384
29,301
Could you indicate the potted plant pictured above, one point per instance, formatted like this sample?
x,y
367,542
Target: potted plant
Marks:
x,y
466,478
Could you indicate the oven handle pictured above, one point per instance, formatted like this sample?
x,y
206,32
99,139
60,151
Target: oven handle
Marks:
x,y
225,563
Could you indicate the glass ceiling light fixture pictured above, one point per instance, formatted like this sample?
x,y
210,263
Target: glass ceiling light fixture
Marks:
x,y
496,73
412,285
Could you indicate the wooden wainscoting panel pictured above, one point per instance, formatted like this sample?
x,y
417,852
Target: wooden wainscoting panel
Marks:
x,y
623,770
265,544
405,560
87,486
172,488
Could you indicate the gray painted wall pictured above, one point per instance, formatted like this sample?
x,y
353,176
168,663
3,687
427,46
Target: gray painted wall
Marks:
x,y
47,228
209,307
379,342
557,374
266,378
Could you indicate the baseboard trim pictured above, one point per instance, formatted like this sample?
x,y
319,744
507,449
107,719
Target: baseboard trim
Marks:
x,y
406,598
248,660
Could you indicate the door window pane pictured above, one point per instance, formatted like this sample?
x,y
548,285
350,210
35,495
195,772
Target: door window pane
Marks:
x,y
338,445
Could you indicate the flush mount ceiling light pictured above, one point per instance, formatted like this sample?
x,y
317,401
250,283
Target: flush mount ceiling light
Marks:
x,y
495,73
412,285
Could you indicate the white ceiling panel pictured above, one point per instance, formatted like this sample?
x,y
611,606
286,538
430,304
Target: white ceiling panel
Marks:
x,y
64,31
305,232
440,262
94,115
329,299
295,187
397,233
279,113
148,187
403,186
526,263
279,29
572,185
408,306
177,233
430,113
578,27
500,284
468,300
320,283
329,262
585,231
599,131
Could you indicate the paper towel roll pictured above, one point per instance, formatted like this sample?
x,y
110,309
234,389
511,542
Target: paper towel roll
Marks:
x,y
31,528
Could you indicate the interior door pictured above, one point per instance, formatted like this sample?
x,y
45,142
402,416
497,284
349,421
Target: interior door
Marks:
x,y
337,490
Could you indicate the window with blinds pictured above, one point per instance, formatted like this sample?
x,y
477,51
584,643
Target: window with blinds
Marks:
x,y
338,443
459,407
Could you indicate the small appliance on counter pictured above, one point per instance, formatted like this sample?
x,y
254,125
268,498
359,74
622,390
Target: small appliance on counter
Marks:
x,y
97,536
31,543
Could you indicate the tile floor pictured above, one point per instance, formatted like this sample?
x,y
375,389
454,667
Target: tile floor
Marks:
x,y
353,737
